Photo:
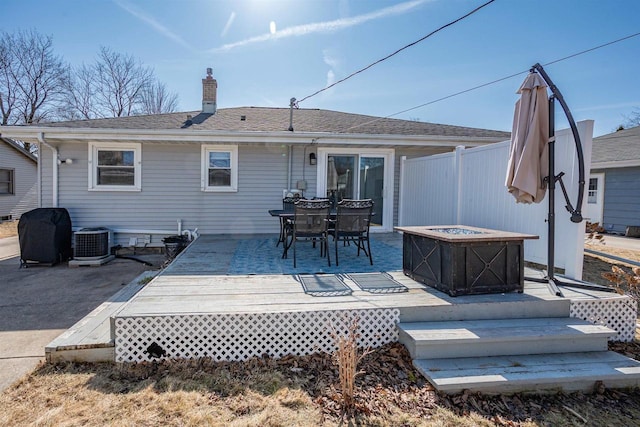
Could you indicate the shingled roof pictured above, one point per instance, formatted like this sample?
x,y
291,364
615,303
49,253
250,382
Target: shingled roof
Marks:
x,y
620,146
263,119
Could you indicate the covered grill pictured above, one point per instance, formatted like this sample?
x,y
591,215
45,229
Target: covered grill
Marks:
x,y
45,236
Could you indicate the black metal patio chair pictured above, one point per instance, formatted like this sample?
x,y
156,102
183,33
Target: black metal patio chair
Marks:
x,y
286,223
311,223
353,218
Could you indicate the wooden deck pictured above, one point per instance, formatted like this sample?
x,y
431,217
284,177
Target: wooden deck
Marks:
x,y
197,282
179,295
194,308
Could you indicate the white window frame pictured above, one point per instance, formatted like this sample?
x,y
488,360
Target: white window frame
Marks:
x,y
10,183
94,147
204,175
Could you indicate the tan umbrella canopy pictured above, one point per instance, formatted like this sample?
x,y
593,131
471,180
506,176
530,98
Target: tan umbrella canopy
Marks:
x,y
332,175
528,159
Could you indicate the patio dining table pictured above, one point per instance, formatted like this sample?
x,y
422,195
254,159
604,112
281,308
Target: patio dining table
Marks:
x,y
285,216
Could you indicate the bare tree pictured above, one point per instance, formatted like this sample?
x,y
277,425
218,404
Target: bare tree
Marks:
x,y
120,80
115,85
156,99
40,76
79,95
7,91
632,119
36,85
32,78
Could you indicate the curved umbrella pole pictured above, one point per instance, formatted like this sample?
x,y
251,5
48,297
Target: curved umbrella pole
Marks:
x,y
576,214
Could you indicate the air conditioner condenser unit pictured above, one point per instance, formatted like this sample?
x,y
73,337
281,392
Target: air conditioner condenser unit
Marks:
x,y
92,246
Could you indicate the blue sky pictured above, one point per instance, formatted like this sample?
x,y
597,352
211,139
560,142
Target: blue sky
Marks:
x,y
317,42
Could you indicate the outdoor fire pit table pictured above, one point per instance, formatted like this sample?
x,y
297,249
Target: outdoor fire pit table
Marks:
x,y
462,260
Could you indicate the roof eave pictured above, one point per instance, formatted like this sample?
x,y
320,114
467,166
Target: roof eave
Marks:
x,y
615,164
32,133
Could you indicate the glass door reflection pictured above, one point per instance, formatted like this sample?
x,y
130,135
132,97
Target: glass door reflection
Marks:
x,y
372,185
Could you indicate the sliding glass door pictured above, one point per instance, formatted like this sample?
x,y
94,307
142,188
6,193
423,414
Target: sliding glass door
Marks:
x,y
350,174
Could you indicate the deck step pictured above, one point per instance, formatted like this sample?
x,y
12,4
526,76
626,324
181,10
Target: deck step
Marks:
x,y
477,338
475,307
89,340
531,373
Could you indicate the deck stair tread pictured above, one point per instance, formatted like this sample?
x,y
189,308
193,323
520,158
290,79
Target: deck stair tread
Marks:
x,y
94,330
569,371
468,338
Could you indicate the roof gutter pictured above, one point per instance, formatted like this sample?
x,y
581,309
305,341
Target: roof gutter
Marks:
x,y
54,166
207,136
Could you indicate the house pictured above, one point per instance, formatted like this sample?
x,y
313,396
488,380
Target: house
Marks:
x,y
221,170
18,186
614,185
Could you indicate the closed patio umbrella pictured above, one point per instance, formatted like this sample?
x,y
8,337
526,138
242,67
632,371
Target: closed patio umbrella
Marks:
x,y
528,158
332,175
531,159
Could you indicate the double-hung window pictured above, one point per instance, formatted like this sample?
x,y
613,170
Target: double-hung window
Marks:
x,y
219,168
7,184
115,167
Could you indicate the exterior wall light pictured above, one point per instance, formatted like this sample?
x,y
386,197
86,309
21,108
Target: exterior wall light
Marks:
x,y
312,159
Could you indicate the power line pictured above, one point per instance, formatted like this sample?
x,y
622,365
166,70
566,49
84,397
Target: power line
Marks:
x,y
496,81
396,52
593,48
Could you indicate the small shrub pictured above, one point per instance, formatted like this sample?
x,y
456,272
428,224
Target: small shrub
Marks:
x,y
347,357
625,283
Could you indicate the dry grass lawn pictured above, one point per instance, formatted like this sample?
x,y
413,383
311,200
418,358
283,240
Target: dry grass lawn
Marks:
x,y
295,391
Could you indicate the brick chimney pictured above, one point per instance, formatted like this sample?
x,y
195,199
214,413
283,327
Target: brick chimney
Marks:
x,y
209,93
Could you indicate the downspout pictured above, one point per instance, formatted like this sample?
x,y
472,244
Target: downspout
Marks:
x,y
54,193
39,172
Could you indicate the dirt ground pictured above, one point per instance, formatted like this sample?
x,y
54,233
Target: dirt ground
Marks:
x,y
595,265
8,229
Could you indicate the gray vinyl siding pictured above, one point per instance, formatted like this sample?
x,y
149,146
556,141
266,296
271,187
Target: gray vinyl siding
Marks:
x,y
25,194
171,190
621,199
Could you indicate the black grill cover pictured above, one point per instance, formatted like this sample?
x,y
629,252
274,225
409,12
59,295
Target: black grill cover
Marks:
x,y
45,235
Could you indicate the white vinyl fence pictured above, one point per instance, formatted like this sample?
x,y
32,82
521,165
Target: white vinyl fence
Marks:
x,y
467,187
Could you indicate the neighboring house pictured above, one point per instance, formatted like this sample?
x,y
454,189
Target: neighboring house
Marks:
x,y
614,184
18,180
220,170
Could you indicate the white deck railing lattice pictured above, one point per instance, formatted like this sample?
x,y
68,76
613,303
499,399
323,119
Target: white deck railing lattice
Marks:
x,y
618,313
240,336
